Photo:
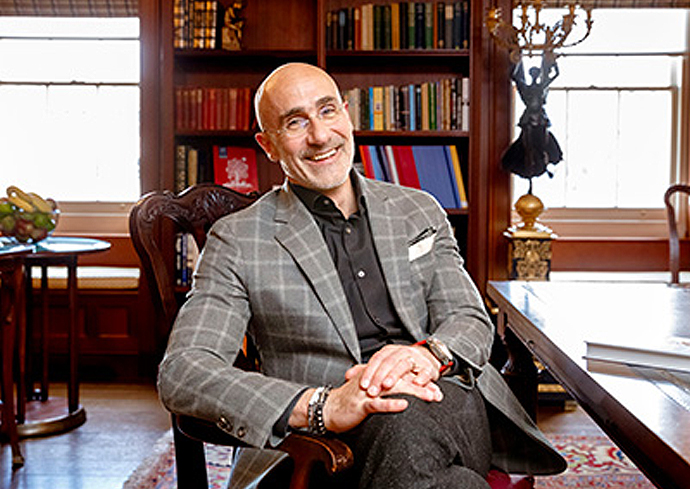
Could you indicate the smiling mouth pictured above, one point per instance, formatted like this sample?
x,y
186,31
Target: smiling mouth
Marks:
x,y
324,156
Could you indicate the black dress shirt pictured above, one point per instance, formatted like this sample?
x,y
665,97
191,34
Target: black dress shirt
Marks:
x,y
351,246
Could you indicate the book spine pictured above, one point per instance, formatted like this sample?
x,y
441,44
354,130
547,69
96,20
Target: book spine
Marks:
x,y
465,117
357,14
448,27
404,31
411,25
459,181
180,168
440,25
428,25
395,26
465,38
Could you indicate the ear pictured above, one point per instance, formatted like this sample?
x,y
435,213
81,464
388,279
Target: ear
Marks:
x,y
264,140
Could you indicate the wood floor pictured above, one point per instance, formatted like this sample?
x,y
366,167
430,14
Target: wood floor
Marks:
x,y
123,423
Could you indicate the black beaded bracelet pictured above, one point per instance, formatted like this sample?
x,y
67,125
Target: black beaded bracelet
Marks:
x,y
317,426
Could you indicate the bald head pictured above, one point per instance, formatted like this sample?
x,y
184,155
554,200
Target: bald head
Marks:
x,y
288,77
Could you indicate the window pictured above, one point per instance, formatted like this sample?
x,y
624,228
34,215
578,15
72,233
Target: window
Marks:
x,y
69,124
616,110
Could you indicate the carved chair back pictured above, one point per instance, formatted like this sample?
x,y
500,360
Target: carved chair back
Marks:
x,y
193,211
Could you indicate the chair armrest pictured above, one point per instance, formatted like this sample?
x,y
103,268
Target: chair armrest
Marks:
x,y
334,454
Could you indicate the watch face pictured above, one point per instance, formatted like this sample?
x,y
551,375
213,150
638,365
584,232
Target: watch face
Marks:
x,y
440,351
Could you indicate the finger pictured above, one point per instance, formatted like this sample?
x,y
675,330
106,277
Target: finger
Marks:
x,y
406,364
372,366
389,371
423,376
385,405
353,371
431,392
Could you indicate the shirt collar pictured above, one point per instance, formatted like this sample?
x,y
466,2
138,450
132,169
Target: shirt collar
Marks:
x,y
317,203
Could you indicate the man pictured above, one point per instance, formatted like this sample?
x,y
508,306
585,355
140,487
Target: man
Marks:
x,y
354,293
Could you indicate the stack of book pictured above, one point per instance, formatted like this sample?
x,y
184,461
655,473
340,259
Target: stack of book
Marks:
x,y
435,169
196,24
213,108
442,105
399,25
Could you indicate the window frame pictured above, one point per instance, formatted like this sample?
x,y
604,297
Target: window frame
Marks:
x,y
615,223
87,217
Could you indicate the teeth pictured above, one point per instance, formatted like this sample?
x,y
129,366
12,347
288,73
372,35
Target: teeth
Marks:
x,y
323,156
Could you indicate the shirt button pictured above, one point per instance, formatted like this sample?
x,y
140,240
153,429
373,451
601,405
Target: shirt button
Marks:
x,y
361,274
348,230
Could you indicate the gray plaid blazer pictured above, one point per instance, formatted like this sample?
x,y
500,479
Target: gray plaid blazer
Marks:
x,y
266,271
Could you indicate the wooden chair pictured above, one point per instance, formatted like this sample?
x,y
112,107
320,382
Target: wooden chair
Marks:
x,y
194,211
673,241
154,221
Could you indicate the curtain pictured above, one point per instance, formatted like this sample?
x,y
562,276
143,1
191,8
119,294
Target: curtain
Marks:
x,y
70,8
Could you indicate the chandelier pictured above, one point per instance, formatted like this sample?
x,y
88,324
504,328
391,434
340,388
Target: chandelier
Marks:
x,y
532,35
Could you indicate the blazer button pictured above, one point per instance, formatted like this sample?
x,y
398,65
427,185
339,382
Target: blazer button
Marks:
x,y
241,432
224,424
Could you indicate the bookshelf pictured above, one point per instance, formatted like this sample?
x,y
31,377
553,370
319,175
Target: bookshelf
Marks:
x,y
279,31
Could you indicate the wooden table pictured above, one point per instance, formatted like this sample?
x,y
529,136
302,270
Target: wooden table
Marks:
x,y
37,413
649,419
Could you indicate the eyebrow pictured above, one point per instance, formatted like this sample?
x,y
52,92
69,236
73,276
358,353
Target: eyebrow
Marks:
x,y
301,110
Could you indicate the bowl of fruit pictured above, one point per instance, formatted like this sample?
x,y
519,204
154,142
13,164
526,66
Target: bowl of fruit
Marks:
x,y
27,217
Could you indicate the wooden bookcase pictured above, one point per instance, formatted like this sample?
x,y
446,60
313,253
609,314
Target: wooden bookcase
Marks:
x,y
278,31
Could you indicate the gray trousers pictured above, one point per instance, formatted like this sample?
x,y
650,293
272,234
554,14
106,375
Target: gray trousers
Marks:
x,y
429,445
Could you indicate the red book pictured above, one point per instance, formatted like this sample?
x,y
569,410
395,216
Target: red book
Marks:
x,y
407,171
244,106
366,161
235,167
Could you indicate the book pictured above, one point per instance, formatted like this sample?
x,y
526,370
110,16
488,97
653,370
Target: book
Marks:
x,y
377,109
407,171
389,158
366,161
434,174
669,353
235,167
377,164
180,168
454,161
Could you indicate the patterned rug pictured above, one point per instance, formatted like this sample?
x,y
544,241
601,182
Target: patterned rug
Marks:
x,y
593,462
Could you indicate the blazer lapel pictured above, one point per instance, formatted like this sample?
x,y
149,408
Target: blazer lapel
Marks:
x,y
389,230
299,234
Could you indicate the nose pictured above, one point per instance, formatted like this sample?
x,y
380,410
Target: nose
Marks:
x,y
317,131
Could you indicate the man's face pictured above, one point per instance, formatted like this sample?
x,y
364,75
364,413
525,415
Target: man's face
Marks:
x,y
320,157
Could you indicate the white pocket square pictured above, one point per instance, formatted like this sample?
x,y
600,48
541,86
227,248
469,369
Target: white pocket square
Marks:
x,y
421,248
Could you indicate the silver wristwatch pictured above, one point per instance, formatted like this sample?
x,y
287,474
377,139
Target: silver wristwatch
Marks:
x,y
440,351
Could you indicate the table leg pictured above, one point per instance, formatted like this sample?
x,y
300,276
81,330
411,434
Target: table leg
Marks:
x,y
42,394
11,316
519,371
23,358
73,387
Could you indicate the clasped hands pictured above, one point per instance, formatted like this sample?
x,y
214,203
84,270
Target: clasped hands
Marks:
x,y
370,388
